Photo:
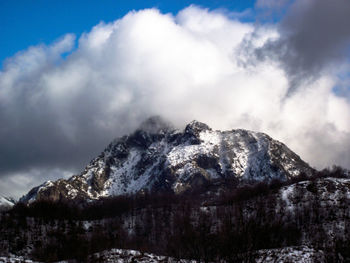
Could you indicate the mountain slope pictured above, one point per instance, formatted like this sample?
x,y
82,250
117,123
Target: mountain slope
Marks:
x,y
6,203
312,213
157,157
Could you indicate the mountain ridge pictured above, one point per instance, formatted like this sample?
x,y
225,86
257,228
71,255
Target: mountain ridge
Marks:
x,y
6,202
158,157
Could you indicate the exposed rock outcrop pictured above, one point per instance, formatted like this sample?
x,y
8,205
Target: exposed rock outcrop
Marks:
x,y
157,157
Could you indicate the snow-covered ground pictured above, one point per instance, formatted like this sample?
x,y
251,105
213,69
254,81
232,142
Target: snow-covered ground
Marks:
x,y
290,254
301,254
5,203
15,259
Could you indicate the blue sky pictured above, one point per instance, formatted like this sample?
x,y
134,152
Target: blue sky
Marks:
x,y
24,23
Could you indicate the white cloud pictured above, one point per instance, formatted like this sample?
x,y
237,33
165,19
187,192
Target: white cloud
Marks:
x,y
62,111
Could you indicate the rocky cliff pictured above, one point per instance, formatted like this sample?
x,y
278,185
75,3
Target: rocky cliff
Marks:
x,y
158,157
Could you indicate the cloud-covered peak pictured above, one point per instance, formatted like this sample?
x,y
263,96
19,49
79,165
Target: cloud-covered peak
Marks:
x,y
60,110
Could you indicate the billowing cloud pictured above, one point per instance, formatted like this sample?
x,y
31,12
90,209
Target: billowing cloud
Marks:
x,y
314,37
58,111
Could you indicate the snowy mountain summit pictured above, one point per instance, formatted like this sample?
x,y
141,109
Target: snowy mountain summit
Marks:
x,y
158,157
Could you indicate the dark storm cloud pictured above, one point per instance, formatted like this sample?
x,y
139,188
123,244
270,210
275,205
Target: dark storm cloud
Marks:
x,y
53,112
314,36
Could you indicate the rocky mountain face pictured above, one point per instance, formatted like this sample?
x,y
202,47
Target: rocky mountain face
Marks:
x,y
158,157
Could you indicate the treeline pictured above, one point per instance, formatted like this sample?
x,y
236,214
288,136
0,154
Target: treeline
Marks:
x,y
99,209
230,226
251,190
116,206
119,205
184,232
230,233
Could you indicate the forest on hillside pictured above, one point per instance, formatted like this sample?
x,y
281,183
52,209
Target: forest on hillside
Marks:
x,y
229,227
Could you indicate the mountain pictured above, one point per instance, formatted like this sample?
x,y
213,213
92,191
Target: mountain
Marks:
x,y
6,202
302,216
158,157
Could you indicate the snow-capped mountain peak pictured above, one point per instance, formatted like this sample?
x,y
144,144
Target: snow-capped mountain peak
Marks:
x,y
157,157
